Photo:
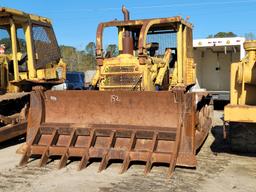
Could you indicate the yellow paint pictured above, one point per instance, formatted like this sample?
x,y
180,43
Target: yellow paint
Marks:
x,y
120,37
146,72
20,14
30,51
52,72
180,55
242,106
4,75
240,113
23,75
14,50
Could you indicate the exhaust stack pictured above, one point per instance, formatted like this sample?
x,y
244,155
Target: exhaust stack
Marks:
x,y
126,13
127,37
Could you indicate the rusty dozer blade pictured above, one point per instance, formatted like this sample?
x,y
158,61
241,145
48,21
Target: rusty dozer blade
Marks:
x,y
152,127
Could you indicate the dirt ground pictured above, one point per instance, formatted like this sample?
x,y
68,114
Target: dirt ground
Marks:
x,y
218,170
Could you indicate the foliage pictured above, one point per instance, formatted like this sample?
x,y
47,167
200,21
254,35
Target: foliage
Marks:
x,y
112,49
90,48
250,36
222,34
79,60
83,60
8,45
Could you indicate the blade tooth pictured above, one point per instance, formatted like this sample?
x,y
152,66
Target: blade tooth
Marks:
x,y
65,156
103,163
85,158
63,160
44,158
125,164
148,167
84,161
25,158
172,166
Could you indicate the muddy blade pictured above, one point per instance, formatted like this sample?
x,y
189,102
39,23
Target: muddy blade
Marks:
x,y
129,126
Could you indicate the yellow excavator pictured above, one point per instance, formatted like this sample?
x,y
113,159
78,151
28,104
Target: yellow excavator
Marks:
x,y
141,106
240,114
29,58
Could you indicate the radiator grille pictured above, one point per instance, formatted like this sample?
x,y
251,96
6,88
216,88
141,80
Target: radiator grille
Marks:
x,y
127,79
114,69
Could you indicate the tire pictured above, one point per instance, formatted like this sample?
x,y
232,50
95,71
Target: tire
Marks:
x,y
243,137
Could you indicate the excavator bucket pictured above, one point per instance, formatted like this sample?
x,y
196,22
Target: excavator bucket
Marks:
x,y
152,127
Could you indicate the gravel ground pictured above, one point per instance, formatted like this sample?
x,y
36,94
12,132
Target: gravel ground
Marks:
x,y
218,170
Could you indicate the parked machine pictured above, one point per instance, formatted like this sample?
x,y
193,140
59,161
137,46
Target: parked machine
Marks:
x,y
29,57
213,58
142,108
240,113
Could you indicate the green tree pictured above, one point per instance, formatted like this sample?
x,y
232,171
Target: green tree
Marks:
x,y
112,49
79,60
90,48
90,58
210,36
250,36
69,55
222,34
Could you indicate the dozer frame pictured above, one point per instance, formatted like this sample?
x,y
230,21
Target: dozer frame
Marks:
x,y
135,52
143,110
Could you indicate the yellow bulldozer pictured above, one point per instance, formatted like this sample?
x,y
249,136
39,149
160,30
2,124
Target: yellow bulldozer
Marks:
x,y
29,57
141,107
240,114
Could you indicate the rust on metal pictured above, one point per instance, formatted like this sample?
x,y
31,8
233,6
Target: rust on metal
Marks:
x,y
120,125
142,112
146,23
127,39
12,131
126,13
13,121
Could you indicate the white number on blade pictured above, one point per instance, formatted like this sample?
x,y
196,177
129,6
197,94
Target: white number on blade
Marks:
x,y
114,99
53,98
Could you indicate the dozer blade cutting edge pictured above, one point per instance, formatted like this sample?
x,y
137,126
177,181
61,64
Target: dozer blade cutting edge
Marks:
x,y
152,127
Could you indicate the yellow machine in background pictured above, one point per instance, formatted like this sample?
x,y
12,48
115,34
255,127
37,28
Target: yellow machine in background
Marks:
x,y
241,112
29,57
